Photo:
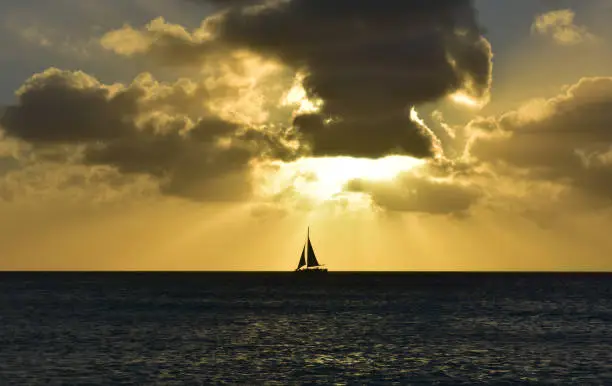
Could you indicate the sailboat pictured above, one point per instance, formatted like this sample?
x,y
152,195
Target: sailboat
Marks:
x,y
308,259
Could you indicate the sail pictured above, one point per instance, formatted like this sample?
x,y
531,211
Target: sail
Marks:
x,y
302,258
312,258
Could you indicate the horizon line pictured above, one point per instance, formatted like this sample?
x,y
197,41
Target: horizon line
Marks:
x,y
329,272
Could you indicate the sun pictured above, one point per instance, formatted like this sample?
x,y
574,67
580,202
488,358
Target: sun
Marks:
x,y
324,178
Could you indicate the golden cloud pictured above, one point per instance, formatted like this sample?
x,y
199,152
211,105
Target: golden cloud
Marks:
x,y
565,139
147,127
560,26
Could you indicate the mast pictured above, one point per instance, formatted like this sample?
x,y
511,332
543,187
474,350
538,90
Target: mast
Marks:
x,y
303,257
306,244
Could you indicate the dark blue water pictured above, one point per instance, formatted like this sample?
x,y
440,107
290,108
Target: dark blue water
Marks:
x,y
184,328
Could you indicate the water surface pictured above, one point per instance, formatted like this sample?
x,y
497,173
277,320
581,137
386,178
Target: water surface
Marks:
x,y
202,328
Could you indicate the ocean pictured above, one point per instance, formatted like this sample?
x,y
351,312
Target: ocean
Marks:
x,y
281,328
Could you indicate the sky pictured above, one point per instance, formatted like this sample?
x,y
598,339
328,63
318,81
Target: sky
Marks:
x,y
209,134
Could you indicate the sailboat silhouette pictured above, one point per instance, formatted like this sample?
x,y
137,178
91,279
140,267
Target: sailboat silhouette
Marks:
x,y
308,259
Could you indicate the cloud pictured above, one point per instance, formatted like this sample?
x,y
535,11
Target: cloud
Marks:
x,y
566,139
146,127
52,40
64,106
422,195
438,188
367,63
169,43
559,25
55,183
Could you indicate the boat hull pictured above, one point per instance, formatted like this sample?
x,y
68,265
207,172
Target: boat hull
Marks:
x,y
311,271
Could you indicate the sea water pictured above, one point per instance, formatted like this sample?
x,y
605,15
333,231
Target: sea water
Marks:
x,y
203,328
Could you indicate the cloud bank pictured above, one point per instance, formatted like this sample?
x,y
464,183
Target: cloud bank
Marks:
x,y
566,139
363,68
367,63
145,127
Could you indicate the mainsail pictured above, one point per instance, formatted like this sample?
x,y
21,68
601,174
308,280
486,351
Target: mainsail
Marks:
x,y
312,258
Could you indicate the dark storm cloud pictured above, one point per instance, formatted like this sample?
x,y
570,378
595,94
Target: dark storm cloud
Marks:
x,y
60,108
365,137
66,108
368,60
566,139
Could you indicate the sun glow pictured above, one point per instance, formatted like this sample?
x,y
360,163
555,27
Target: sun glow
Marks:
x,y
435,141
324,179
298,97
464,99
